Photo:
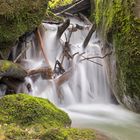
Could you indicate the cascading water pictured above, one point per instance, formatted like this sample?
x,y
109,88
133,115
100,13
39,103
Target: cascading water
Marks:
x,y
86,95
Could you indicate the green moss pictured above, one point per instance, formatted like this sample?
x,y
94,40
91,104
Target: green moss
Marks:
x,y
82,134
119,26
69,134
18,17
5,65
15,132
23,109
25,117
55,134
126,40
56,3
10,69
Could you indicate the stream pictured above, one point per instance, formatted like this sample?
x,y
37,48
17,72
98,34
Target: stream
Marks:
x,y
86,96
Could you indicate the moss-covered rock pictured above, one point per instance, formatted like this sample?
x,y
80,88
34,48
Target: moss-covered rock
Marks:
x,y
18,17
119,25
23,109
12,70
25,117
14,132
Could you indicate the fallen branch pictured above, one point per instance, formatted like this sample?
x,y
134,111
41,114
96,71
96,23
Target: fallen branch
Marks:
x,y
63,78
62,28
69,8
87,39
51,22
46,72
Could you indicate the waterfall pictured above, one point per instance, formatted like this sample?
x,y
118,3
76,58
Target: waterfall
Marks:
x,y
88,83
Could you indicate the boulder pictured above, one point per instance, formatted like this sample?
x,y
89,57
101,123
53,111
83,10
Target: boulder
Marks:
x,y
25,117
12,70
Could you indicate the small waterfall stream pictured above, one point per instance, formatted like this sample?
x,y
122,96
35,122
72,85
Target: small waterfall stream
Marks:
x,y
86,95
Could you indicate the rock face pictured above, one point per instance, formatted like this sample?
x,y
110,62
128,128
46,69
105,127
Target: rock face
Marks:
x,y
118,23
18,17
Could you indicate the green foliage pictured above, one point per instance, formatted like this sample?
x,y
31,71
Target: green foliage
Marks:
x,y
18,17
56,3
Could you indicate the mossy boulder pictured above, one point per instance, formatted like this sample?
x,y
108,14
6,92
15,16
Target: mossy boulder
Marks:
x,y
12,70
18,17
118,24
23,109
25,117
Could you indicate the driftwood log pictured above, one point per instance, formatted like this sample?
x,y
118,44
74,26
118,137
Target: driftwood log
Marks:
x,y
45,72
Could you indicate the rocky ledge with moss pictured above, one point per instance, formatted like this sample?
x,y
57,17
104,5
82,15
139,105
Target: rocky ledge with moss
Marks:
x,y
18,17
118,22
25,117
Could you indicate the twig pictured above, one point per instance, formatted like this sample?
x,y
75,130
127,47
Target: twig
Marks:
x,y
75,54
100,57
95,62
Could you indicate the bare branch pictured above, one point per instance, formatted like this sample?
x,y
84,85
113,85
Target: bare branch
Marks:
x,y
100,57
93,62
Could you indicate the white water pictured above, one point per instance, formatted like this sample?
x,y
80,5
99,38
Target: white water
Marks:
x,y
86,96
